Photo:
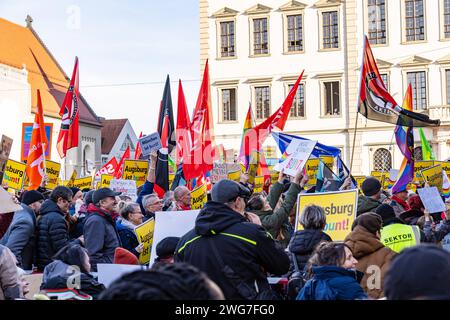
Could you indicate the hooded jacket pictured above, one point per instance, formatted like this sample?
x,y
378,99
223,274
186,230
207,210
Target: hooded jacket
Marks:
x,y
20,237
244,247
303,244
100,236
367,204
370,253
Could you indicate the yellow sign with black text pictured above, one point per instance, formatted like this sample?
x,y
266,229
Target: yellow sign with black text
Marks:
x,y
135,170
52,169
83,183
144,233
199,197
433,176
105,181
259,184
14,174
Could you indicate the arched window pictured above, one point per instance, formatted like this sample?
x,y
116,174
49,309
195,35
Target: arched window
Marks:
x,y
418,155
382,160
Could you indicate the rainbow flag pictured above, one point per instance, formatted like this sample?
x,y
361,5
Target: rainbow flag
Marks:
x,y
445,185
244,155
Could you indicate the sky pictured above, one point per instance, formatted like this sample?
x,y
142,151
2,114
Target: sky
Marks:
x,y
120,44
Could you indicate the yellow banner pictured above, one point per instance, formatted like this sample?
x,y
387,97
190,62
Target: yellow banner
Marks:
x,y
52,169
14,174
83,183
446,167
340,210
433,176
171,177
359,181
312,166
144,234
382,176
199,197
419,166
72,179
235,176
106,180
259,184
135,170
328,161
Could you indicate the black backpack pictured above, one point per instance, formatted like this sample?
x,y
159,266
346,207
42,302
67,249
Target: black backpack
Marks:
x,y
296,281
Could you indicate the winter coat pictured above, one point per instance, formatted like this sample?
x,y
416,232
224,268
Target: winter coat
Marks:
x,y
53,233
332,283
20,237
5,221
127,236
370,253
57,273
9,277
442,230
100,236
277,221
367,204
303,244
245,249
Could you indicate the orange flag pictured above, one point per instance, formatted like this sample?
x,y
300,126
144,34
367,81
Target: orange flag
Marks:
x,y
35,163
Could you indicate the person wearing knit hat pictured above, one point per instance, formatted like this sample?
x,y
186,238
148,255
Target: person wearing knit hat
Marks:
x,y
370,200
419,273
20,235
165,249
364,241
123,256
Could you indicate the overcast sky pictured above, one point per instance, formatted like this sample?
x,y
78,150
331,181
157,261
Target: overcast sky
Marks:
x,y
120,42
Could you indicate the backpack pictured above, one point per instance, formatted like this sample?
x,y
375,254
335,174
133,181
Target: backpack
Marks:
x,y
296,281
317,290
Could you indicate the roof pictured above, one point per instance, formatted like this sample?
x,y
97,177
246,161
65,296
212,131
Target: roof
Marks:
x,y
21,46
110,132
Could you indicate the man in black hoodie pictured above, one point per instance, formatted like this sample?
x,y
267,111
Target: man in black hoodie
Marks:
x,y
234,252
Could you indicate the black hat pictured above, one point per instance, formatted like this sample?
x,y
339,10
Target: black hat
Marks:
x,y
386,212
88,197
74,190
421,272
103,193
166,247
370,186
226,190
32,196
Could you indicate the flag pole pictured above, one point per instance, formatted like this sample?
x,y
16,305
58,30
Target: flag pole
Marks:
x,y
354,139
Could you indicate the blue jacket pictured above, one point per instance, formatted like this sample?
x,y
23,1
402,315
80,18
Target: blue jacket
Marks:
x,y
147,189
127,237
333,283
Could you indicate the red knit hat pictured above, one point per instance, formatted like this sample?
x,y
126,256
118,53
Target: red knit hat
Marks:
x,y
123,256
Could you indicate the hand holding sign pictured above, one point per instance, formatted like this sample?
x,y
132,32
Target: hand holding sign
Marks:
x,y
150,143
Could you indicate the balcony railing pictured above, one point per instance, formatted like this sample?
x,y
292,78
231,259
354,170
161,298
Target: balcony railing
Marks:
x,y
439,112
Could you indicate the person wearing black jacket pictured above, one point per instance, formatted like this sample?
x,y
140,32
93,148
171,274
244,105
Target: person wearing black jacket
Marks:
x,y
53,231
234,252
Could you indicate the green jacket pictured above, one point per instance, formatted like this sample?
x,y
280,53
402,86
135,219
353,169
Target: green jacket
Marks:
x,y
367,204
275,221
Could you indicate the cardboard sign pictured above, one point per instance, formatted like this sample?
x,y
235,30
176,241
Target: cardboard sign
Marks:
x,y
105,181
136,170
340,209
5,149
431,199
150,143
126,187
419,166
14,174
199,197
296,155
433,176
259,184
144,234
52,169
219,172
171,224
83,183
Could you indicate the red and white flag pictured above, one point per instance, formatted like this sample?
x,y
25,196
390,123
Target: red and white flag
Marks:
x,y
68,134
119,168
183,131
108,168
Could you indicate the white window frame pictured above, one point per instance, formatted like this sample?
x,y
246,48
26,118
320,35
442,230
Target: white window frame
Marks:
x,y
251,35
261,82
219,38
322,82
230,84
441,22
405,72
292,11
286,90
403,18
324,9
366,22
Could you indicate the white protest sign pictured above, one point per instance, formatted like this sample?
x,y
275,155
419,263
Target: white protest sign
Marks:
x,y
393,174
126,187
296,153
108,273
219,172
171,224
150,143
432,200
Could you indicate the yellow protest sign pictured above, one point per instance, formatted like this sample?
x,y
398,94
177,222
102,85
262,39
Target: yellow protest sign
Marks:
x,y
446,167
328,161
259,184
171,177
340,210
382,176
144,234
14,174
72,179
274,176
106,180
83,183
433,176
312,166
199,197
419,166
135,170
52,169
235,176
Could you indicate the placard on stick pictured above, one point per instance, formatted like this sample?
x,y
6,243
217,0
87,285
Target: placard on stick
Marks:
x,y
150,143
432,200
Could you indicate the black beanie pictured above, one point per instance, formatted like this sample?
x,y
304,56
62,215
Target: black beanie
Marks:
x,y
88,197
32,196
166,247
386,212
370,186
74,190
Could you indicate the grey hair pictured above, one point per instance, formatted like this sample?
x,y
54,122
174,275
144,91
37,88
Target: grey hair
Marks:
x,y
178,192
128,208
147,198
167,196
313,217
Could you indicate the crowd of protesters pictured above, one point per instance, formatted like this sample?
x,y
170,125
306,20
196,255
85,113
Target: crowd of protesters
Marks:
x,y
240,240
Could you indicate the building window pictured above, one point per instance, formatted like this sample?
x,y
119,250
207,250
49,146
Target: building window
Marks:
x,y
382,160
377,21
332,98
330,29
447,76
385,78
415,20
229,104
419,89
418,155
295,33
447,19
262,102
298,106
260,36
227,48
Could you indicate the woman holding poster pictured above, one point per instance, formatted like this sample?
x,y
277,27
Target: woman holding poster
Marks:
x,y
130,217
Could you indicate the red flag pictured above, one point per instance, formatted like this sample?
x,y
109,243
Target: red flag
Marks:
x,y
119,170
109,168
138,151
201,156
68,134
183,131
35,162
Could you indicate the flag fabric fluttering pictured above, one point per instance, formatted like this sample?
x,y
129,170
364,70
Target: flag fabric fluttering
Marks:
x,y
119,169
376,103
427,151
35,168
183,131
138,152
68,134
108,168
445,185
327,180
244,155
